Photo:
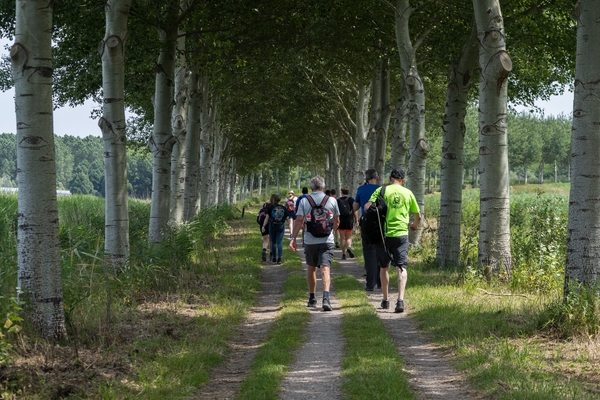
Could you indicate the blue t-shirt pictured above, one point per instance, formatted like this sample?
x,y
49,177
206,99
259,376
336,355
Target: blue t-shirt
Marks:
x,y
363,194
299,200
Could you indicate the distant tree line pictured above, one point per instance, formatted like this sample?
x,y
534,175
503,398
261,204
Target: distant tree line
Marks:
x,y
79,166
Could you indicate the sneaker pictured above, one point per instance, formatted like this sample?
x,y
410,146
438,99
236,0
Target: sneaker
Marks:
x,y
337,245
399,306
264,255
350,252
279,261
312,302
343,256
385,304
326,305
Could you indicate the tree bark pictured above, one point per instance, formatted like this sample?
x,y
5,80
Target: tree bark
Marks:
x,y
162,141
399,144
179,119
192,150
454,128
494,68
383,123
416,104
39,284
583,243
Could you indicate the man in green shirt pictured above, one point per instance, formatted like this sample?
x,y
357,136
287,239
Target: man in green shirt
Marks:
x,y
400,203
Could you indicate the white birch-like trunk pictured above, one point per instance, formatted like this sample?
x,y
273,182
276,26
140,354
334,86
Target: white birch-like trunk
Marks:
x,y
416,102
583,243
383,122
360,135
192,150
399,144
179,119
448,244
207,122
374,114
251,185
299,178
39,285
494,66
278,181
267,176
113,127
260,181
162,141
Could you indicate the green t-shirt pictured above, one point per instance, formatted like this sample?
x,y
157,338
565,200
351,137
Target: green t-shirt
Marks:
x,y
400,203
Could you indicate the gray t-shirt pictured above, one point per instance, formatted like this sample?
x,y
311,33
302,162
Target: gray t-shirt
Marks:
x,y
304,208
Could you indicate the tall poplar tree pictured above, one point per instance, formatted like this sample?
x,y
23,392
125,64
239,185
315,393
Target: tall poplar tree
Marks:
x,y
39,274
494,68
112,124
583,243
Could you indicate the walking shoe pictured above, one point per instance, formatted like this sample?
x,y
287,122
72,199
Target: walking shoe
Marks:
x,y
279,261
312,302
350,252
326,305
264,255
337,245
343,256
399,306
385,304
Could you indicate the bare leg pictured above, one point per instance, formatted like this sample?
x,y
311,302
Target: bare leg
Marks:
x,y
402,277
384,275
325,278
311,278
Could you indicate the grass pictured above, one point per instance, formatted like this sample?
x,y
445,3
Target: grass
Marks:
x,y
371,368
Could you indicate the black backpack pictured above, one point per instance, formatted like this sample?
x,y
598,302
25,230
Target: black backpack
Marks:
x,y
319,221
277,216
344,206
372,222
262,214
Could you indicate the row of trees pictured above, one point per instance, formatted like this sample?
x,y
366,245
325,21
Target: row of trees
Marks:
x,y
226,89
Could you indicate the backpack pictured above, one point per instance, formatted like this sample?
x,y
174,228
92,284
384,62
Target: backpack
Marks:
x,y
277,216
344,206
262,214
372,222
290,205
319,221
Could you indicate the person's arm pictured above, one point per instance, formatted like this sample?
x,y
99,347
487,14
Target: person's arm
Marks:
x,y
336,222
416,221
264,226
298,224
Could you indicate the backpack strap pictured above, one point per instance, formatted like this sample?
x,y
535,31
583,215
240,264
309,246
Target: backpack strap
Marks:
x,y
311,201
324,201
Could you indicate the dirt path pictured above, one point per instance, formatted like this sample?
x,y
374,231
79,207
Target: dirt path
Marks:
x,y
316,374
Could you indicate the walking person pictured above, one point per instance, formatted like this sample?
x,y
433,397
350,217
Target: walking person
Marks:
x,y
348,219
319,215
290,206
264,230
276,225
400,203
370,251
336,236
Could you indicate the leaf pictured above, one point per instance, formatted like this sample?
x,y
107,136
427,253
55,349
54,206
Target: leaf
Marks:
x,y
8,323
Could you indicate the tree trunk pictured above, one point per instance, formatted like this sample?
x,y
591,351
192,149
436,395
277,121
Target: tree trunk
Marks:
x,y
361,134
416,103
383,122
399,144
207,117
39,284
162,141
260,179
583,244
179,118
495,66
192,150
454,128
374,114
278,181
113,127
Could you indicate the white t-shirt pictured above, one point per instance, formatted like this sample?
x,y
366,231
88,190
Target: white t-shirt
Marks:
x,y
304,208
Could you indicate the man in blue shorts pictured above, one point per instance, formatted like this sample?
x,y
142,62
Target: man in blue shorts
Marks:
x,y
318,250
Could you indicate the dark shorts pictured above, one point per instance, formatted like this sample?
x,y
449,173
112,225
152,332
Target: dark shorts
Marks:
x,y
319,254
346,223
398,249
